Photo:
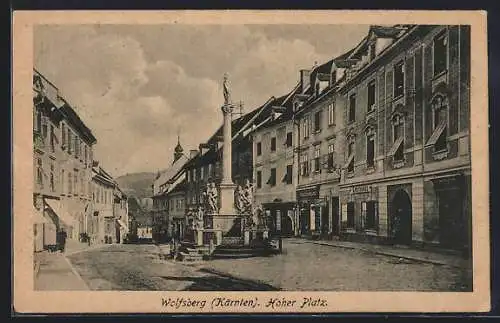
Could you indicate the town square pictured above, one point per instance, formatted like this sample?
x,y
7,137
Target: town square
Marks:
x,y
293,158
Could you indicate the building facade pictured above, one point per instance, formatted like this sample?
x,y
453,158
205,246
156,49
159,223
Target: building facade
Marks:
x,y
120,211
169,205
62,155
318,150
406,105
274,170
102,225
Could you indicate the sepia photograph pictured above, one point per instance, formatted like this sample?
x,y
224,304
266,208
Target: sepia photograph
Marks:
x,y
249,156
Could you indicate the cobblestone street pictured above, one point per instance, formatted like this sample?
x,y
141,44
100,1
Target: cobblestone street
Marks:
x,y
302,266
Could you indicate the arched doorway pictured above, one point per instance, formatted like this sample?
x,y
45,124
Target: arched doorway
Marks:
x,y
286,225
401,218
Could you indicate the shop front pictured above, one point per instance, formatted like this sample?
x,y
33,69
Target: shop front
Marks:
x,y
359,216
313,212
280,218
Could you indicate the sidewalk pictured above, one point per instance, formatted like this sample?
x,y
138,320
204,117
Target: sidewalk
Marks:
x,y
53,271
56,273
399,252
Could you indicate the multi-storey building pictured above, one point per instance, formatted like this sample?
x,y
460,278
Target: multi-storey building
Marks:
x,y
120,211
102,226
406,103
318,149
273,166
62,161
169,214
46,156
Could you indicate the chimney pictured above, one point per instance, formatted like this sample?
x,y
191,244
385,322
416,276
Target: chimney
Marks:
x,y
305,77
203,148
193,153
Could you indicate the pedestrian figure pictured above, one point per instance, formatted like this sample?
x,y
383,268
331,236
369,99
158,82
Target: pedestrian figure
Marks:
x,y
62,240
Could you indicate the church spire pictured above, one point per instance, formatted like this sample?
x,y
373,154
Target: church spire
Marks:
x,y
178,151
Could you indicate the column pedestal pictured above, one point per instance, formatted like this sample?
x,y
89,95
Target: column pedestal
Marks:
x,y
246,239
199,237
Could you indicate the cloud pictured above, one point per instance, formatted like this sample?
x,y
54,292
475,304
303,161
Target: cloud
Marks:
x,y
136,86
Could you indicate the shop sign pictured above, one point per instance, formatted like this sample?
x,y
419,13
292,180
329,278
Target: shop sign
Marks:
x,y
361,189
308,194
278,220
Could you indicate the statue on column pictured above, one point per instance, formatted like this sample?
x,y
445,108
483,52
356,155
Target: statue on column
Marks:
x,y
226,89
211,196
244,198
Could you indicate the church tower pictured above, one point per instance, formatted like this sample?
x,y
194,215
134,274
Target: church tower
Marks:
x,y
178,151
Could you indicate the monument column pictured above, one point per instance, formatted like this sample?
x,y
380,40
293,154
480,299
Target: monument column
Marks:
x,y
224,220
227,147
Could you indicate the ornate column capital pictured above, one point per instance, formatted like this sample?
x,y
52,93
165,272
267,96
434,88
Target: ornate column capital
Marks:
x,y
227,108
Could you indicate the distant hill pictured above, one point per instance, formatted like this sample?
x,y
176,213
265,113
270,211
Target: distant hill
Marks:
x,y
137,184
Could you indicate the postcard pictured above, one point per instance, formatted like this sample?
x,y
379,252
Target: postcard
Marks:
x,y
250,161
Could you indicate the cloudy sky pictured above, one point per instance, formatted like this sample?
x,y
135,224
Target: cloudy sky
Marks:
x,y
136,87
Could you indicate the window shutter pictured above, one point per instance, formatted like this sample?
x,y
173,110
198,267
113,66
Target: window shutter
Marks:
x,y
363,214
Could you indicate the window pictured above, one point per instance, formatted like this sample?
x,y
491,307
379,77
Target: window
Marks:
x,y
70,142
305,126
331,150
352,108
396,151
331,114
52,185
350,215
63,136
317,121
201,173
371,96
63,187
399,79
373,52
82,184
38,121
77,148
52,138
369,215
259,149
259,179
440,54
273,144
289,139
350,156
289,174
272,178
370,149
317,155
75,178
39,171
44,129
440,122
304,162
70,183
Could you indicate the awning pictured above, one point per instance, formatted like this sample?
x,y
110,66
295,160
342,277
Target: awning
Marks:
x,y
436,134
395,146
61,213
38,217
349,160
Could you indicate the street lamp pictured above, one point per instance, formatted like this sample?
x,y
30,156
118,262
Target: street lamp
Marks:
x,y
278,228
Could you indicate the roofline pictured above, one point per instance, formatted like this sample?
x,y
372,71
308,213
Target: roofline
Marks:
x,y
398,41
